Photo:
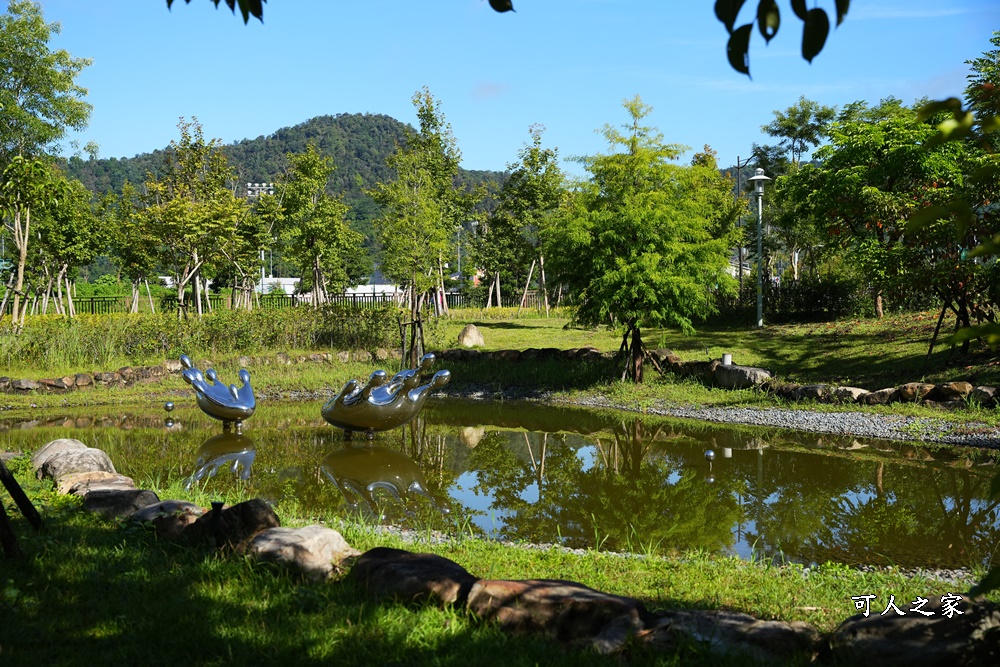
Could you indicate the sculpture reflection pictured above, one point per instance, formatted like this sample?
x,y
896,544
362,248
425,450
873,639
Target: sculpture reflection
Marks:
x,y
231,404
383,404
359,472
227,449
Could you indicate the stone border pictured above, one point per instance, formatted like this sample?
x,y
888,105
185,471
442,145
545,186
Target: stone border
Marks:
x,y
950,395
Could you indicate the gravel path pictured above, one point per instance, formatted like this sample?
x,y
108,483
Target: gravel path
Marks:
x,y
932,430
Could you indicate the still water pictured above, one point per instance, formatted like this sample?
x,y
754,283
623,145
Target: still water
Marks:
x,y
616,481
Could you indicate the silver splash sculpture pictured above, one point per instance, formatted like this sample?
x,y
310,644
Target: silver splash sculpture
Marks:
x,y
383,403
229,404
365,471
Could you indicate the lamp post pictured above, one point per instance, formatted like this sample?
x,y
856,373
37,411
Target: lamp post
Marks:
x,y
758,190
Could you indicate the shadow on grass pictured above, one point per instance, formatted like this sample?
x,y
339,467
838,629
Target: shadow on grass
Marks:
x,y
94,592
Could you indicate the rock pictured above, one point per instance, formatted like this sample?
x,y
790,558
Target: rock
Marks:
x,y
565,610
343,356
233,527
950,391
244,361
880,397
54,448
81,483
738,377
812,392
506,355
61,383
114,503
412,577
73,461
470,337
169,517
665,358
984,396
847,394
727,633
84,379
25,385
174,365
361,356
107,378
914,391
314,550
969,638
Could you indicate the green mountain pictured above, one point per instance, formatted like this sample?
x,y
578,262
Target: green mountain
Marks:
x,y
358,143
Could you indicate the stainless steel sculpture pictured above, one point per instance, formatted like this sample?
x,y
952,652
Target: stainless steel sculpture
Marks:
x,y
226,449
366,470
383,404
230,404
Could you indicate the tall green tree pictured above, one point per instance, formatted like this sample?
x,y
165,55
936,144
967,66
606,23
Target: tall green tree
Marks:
x,y
422,208
70,235
527,201
27,187
648,240
800,127
192,208
313,226
39,96
132,242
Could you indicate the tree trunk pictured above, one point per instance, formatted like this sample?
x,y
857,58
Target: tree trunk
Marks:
x,y
150,295
636,354
489,296
524,294
499,302
542,285
70,308
878,303
21,243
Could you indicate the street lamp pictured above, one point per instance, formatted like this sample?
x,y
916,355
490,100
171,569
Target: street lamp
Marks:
x,y
758,190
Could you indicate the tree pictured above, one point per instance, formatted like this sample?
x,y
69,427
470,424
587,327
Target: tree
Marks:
x,y
39,97
527,200
27,186
881,168
421,209
191,209
132,242
647,241
800,127
312,225
69,236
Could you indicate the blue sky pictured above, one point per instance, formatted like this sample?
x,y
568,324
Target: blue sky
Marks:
x,y
566,64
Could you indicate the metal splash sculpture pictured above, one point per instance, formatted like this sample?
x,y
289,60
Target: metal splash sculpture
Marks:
x,y
366,470
230,405
383,403
230,449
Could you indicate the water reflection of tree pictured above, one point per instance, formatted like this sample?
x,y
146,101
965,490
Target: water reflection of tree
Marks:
x,y
883,512
629,498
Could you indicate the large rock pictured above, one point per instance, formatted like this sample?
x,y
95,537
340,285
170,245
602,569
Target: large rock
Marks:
x,y
115,503
971,637
950,391
728,634
880,397
984,396
739,377
847,394
233,527
812,392
82,483
412,577
72,461
914,391
565,610
470,337
169,517
54,448
316,551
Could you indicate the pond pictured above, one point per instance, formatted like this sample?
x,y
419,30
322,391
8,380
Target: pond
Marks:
x,y
615,481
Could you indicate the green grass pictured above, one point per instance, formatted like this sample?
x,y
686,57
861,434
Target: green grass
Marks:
x,y
91,591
